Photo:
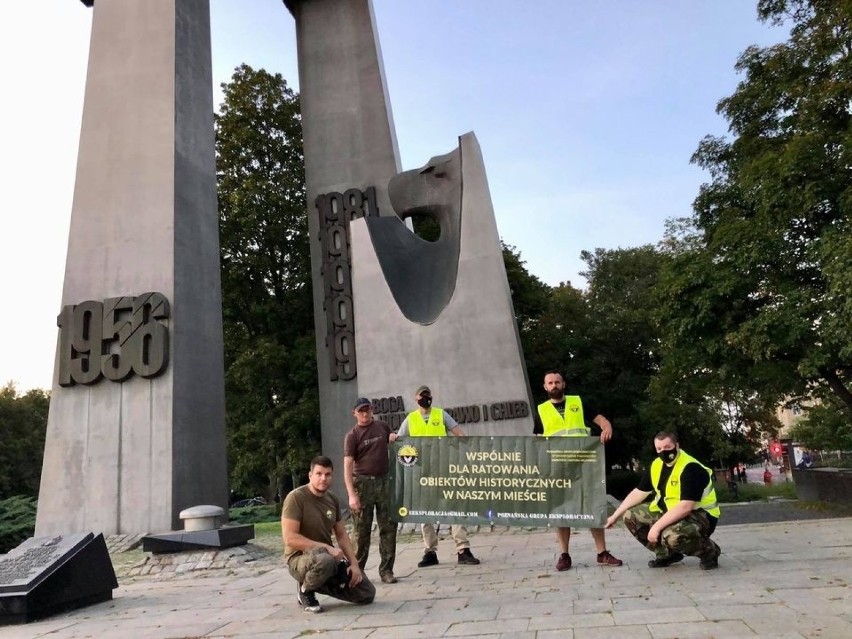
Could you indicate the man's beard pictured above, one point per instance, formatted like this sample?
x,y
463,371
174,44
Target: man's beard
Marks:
x,y
555,393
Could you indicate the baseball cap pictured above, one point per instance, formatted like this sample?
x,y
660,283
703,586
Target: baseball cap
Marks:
x,y
361,401
423,389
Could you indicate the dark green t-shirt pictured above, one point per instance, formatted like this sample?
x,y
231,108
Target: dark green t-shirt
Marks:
x,y
316,515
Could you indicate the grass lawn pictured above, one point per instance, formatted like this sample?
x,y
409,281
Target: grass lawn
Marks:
x,y
756,492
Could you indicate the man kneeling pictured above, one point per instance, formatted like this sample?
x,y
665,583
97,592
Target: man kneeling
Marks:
x,y
684,512
310,515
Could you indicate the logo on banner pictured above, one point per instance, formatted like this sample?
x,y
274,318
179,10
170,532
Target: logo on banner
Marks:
x,y
407,455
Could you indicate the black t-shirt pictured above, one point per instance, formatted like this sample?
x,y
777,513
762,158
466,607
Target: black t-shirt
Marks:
x,y
589,413
693,481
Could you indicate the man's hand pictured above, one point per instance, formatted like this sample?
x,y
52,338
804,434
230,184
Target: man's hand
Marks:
x,y
611,520
392,437
337,553
605,426
354,503
355,575
653,536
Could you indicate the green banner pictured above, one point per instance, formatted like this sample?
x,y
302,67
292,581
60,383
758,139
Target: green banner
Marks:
x,y
514,481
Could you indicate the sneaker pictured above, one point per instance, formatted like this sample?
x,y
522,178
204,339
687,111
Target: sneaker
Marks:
x,y
606,558
713,562
308,600
662,562
388,578
429,559
466,557
564,562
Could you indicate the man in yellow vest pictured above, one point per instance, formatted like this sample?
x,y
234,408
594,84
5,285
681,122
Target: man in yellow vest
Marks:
x,y
431,421
684,512
562,416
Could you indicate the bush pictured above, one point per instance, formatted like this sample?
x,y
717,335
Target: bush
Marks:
x,y
253,514
17,521
621,482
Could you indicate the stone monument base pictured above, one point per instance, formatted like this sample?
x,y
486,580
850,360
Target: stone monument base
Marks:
x,y
177,564
184,540
47,575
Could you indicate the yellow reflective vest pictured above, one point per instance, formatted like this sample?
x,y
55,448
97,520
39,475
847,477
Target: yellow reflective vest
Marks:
x,y
571,425
435,427
708,497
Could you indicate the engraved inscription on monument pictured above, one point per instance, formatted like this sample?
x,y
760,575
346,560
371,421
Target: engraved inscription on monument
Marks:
x,y
18,570
113,339
336,210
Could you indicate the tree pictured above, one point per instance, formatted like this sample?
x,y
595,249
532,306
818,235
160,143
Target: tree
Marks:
x,y
530,296
824,427
23,424
270,379
621,350
758,298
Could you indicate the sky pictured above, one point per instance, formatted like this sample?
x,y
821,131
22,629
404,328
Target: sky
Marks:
x,y
587,112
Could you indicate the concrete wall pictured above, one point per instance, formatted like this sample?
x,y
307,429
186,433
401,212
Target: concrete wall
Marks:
x,y
127,457
824,484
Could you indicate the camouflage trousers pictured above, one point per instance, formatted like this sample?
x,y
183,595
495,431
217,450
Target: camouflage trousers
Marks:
x,y
318,571
689,536
374,493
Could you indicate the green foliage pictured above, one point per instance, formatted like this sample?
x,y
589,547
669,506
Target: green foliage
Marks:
x,y
530,295
23,424
621,350
604,340
271,390
824,427
755,302
621,482
756,492
17,521
253,514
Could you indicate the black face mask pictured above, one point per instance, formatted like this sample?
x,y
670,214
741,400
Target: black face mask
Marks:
x,y
668,456
425,401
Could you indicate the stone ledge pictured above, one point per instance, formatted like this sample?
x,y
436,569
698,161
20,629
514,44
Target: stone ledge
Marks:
x,y
165,566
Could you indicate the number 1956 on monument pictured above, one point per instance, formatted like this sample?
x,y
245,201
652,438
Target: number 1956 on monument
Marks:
x,y
113,339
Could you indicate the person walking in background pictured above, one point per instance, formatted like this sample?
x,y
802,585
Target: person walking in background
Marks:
x,y
683,513
365,473
563,416
431,421
310,515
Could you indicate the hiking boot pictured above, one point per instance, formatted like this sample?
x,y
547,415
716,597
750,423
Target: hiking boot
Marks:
x,y
388,578
466,557
662,562
429,559
564,562
713,562
308,600
606,558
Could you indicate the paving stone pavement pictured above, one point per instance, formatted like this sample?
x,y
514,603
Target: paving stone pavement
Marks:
x,y
781,580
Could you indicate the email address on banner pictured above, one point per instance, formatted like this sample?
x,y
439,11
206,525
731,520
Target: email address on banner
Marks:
x,y
442,513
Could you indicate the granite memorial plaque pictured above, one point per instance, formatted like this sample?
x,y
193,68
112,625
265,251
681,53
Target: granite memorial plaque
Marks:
x,y
46,575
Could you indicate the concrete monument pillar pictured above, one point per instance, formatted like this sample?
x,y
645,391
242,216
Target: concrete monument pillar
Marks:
x,y
136,426
393,311
350,154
